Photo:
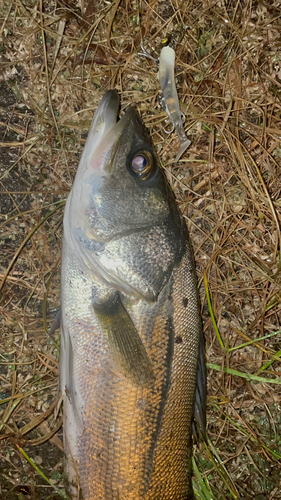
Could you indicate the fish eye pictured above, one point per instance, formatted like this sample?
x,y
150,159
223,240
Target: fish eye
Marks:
x,y
142,164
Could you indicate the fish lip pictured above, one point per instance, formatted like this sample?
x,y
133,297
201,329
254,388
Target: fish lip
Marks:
x,y
106,131
109,102
107,113
105,117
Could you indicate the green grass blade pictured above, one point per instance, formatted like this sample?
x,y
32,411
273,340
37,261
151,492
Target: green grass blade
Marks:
x,y
201,490
212,312
254,341
276,357
271,452
220,468
60,492
248,376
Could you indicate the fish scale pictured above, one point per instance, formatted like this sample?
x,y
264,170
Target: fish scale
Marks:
x,y
131,330
171,477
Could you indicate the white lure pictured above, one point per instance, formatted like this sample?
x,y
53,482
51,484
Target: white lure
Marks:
x,y
168,87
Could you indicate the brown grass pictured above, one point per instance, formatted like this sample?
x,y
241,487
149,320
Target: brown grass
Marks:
x,y
57,61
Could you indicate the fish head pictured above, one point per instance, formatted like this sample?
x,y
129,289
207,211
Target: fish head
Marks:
x,y
120,214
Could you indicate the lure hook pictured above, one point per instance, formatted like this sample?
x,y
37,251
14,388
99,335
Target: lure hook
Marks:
x,y
168,131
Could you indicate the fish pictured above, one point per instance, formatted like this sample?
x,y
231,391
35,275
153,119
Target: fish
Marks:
x,y
171,101
132,367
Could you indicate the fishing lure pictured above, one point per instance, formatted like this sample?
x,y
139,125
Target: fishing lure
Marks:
x,y
167,83
168,87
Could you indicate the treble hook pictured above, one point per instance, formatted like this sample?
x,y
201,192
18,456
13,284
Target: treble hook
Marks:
x,y
173,125
168,131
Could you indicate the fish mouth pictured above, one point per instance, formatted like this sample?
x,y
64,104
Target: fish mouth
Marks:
x,y
105,132
102,143
105,118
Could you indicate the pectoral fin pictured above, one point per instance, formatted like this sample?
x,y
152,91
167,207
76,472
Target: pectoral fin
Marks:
x,y
124,341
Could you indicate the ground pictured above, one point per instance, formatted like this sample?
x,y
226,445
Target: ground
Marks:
x,y
57,60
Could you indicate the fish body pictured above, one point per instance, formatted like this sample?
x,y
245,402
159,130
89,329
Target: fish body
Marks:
x,y
131,331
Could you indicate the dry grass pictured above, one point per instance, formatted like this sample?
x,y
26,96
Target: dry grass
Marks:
x,y
58,58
